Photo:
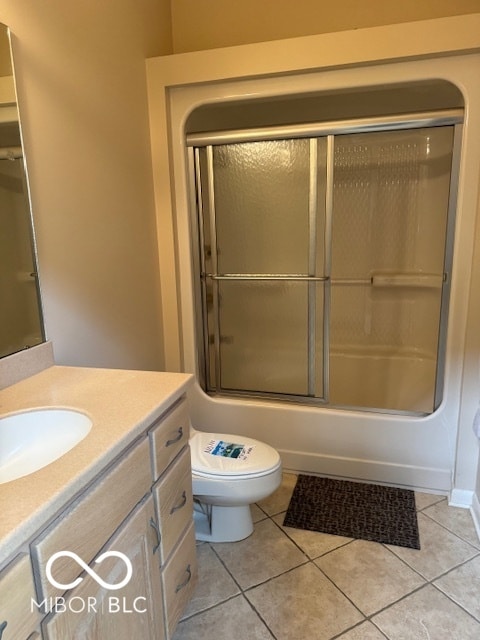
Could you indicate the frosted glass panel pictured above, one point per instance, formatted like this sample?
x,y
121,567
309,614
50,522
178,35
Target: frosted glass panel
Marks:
x,y
264,336
261,205
390,207
390,201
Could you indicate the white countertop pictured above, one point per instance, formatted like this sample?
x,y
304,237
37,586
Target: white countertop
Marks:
x,y
121,405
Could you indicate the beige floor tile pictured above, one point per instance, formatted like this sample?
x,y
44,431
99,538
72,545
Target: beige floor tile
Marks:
x,y
463,586
257,513
263,555
280,499
214,585
455,519
232,620
369,575
364,631
440,552
423,500
281,569
303,604
313,543
427,614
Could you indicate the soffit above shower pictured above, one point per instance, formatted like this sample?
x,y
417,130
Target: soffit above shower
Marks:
x,y
324,106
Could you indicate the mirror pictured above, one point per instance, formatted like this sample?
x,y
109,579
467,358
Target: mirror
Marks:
x,y
21,324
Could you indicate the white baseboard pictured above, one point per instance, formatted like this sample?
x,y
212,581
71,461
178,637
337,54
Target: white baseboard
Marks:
x,y
461,498
416,478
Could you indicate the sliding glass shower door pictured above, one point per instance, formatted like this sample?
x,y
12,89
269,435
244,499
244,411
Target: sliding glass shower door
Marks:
x,y
322,270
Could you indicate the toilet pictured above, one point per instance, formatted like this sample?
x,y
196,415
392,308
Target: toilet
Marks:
x,y
229,473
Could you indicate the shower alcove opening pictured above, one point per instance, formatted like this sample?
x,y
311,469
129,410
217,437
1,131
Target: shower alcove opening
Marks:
x,y
321,349
323,249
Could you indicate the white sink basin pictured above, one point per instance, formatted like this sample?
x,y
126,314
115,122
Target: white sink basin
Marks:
x,y
29,440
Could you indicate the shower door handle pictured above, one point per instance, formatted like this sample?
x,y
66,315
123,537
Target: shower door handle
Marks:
x,y
265,276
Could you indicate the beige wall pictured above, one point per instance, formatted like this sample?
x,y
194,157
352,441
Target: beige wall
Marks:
x,y
208,24
82,95
5,60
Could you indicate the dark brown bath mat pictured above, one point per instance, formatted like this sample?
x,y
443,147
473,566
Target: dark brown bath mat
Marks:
x,y
354,510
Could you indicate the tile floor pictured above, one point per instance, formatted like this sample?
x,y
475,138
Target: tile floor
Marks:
x,y
289,584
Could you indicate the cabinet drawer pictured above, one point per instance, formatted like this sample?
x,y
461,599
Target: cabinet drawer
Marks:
x,y
179,578
174,502
88,523
16,593
168,437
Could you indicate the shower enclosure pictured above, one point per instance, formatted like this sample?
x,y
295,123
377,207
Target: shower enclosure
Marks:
x,y
323,260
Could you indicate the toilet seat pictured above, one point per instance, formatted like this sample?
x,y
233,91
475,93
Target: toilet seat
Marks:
x,y
212,453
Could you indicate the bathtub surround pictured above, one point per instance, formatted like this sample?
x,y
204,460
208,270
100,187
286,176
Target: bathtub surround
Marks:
x,y
476,423
434,453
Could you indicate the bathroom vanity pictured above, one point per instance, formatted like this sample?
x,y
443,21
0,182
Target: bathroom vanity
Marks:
x,y
123,492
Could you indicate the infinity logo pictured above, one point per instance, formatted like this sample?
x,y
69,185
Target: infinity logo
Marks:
x,y
91,573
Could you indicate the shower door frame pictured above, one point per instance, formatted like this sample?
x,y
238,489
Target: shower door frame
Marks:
x,y
310,279
312,131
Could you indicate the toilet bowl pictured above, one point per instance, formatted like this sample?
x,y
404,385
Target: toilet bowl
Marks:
x,y
229,473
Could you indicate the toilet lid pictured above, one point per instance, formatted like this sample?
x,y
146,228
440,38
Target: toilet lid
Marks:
x,y
223,454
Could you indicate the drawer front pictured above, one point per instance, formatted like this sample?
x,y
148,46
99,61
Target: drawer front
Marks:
x,y
168,437
174,502
18,615
87,524
179,578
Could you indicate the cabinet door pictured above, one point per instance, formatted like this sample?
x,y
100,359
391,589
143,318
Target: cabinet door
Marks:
x,y
18,618
134,611
87,525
